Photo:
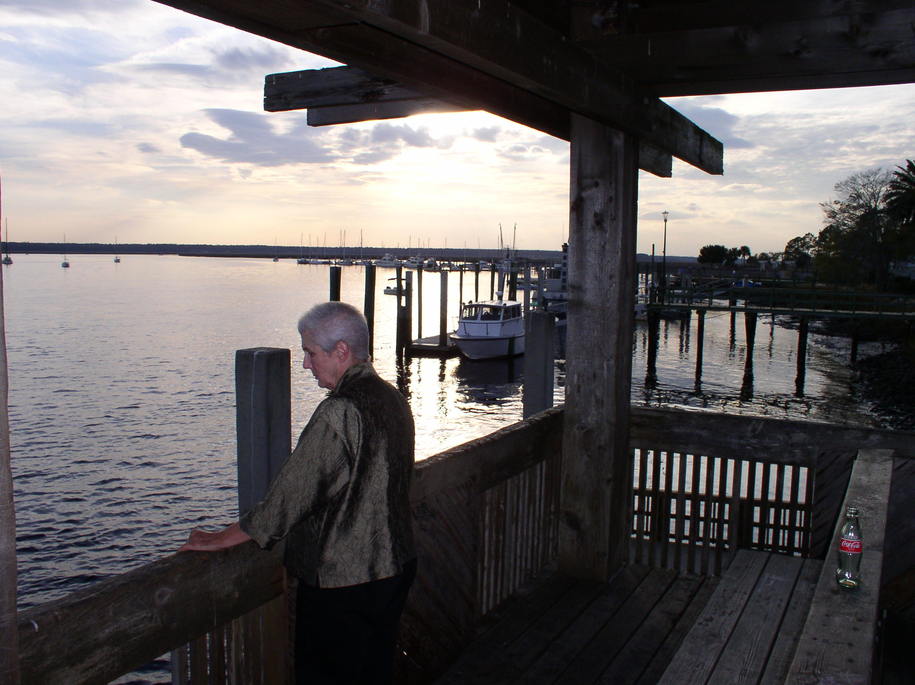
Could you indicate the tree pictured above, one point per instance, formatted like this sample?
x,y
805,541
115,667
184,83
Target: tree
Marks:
x,y
900,196
860,237
800,250
712,254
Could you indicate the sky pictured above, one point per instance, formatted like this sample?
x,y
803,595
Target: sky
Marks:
x,y
130,121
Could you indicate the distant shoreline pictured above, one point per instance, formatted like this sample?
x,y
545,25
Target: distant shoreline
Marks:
x,y
294,252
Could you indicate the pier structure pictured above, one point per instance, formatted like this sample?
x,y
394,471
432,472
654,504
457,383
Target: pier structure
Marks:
x,y
802,304
598,491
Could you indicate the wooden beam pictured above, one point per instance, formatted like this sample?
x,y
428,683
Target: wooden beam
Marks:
x,y
122,623
837,642
508,44
831,51
595,451
468,53
343,95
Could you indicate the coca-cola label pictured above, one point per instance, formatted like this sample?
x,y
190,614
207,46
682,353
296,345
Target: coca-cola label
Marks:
x,y
850,546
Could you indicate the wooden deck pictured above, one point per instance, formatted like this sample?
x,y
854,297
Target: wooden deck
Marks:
x,y
648,626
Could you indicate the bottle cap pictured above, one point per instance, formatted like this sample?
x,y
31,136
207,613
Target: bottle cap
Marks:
x,y
851,511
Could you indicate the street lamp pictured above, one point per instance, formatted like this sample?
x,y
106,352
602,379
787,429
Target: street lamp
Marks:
x,y
665,214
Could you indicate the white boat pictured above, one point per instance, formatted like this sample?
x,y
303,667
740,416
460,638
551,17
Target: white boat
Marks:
x,y
490,329
387,260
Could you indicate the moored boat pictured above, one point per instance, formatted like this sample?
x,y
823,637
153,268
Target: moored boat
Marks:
x,y
490,330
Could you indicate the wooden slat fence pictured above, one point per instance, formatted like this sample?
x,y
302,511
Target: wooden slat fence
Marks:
x,y
692,512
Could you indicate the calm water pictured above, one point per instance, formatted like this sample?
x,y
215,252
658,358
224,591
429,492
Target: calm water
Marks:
x,y
122,393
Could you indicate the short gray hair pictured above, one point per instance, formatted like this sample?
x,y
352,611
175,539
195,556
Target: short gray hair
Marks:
x,y
330,322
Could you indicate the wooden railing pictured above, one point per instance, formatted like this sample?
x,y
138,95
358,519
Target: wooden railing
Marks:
x,y
704,485
485,516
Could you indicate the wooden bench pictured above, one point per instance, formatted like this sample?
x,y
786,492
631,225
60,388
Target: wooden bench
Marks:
x,y
782,619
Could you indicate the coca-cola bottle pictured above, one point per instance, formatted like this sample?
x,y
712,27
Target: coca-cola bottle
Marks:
x,y
848,574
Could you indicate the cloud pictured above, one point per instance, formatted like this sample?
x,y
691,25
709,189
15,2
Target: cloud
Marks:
x,y
716,121
486,134
253,140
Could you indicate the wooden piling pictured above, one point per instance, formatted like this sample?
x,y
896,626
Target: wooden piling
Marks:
x,y
405,315
801,356
538,363
750,329
443,309
492,281
476,282
368,308
700,343
335,272
654,334
419,302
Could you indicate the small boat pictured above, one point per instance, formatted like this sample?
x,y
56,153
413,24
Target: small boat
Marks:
x,y
65,264
117,259
490,330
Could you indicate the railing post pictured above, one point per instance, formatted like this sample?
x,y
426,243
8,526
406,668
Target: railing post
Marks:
x,y
263,420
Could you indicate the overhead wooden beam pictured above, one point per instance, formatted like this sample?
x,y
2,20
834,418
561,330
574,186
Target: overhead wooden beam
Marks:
x,y
506,43
495,55
342,95
832,51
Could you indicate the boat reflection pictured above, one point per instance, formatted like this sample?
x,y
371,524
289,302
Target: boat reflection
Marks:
x,y
489,381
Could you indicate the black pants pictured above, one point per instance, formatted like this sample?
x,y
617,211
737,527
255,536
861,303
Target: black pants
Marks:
x,y
347,635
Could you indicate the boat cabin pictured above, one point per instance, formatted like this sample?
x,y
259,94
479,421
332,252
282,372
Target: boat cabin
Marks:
x,y
491,311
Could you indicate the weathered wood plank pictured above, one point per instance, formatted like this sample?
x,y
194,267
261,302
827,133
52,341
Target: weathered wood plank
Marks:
x,y
838,637
760,623
779,660
596,456
781,441
782,53
568,645
655,669
138,616
637,654
695,660
507,626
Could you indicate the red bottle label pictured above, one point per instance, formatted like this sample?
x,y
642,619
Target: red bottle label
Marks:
x,y
850,546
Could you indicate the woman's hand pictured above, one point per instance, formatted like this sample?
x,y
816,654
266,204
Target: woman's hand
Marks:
x,y
206,541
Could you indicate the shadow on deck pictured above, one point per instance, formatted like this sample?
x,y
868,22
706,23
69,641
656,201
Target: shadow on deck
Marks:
x,y
645,622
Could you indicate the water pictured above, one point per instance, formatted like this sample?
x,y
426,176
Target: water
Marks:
x,y
122,393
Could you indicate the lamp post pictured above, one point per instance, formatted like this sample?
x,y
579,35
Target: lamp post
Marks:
x,y
665,214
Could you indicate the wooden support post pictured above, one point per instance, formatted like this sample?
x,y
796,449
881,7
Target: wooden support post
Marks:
x,y
368,308
263,420
405,315
700,334
419,302
492,281
335,283
749,320
9,632
443,310
460,302
593,528
513,285
538,363
801,357
654,334
476,282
